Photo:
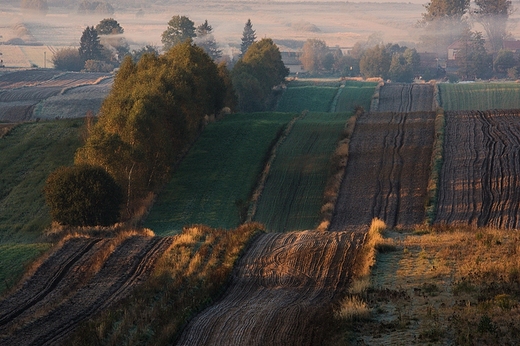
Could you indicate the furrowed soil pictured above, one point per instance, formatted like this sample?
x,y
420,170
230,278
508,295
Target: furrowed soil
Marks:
x,y
480,181
279,291
387,171
22,91
397,97
80,278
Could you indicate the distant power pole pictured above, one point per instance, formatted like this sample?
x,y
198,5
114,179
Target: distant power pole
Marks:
x,y
44,59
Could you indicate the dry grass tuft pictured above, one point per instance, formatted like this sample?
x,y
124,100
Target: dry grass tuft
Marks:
x,y
353,308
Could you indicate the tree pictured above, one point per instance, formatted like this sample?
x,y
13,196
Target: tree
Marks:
x,y
156,107
313,54
474,61
83,195
493,15
206,41
67,59
248,38
148,49
109,26
256,73
400,70
504,61
89,46
96,7
179,29
444,23
375,62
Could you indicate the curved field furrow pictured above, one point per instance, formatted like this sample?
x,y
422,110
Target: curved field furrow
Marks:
x,y
401,97
278,291
55,314
479,179
387,170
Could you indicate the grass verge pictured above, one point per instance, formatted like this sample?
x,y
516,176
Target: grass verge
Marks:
x,y
188,277
435,167
444,286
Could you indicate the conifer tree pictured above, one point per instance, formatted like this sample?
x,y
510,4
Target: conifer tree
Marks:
x,y
248,37
89,46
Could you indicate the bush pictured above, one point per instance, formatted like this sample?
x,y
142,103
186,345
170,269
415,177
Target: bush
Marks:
x,y
83,195
68,59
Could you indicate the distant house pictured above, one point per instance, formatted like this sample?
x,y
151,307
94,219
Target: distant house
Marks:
x,y
454,49
512,46
291,60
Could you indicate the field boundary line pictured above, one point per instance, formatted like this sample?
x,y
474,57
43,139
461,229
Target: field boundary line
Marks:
x,y
374,104
267,168
435,167
334,103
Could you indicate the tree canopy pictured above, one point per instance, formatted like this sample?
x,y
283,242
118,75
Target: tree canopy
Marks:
x,y
375,62
313,55
493,15
89,46
248,37
109,26
155,108
83,195
206,41
180,29
256,73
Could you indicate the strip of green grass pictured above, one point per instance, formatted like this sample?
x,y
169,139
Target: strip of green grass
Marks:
x,y
218,173
312,98
14,259
27,155
355,94
293,194
479,96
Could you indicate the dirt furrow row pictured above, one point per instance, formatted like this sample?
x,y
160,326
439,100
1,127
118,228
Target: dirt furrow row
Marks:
x,y
278,291
403,97
129,263
479,179
387,171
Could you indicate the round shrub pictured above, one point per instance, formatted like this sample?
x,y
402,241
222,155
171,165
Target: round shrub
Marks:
x,y
83,195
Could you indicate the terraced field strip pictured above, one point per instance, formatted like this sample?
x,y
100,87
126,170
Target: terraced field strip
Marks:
x,y
22,91
216,179
278,291
355,94
387,170
479,96
312,96
480,182
401,97
58,296
293,193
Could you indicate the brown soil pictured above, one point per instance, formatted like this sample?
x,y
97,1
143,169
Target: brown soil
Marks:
x,y
279,291
396,97
480,181
75,282
387,171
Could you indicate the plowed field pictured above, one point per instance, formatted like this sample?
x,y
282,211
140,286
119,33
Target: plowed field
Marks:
x,y
75,282
278,291
480,177
387,170
21,91
397,97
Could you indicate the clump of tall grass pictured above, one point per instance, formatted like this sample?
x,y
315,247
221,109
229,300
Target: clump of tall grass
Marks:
x,y
435,167
338,164
353,308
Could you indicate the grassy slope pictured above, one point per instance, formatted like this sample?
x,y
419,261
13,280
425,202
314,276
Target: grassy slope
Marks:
x,y
27,155
355,94
479,96
312,98
219,170
293,193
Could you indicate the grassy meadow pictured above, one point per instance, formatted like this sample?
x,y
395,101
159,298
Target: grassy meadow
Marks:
x,y
355,94
479,96
216,179
293,193
314,98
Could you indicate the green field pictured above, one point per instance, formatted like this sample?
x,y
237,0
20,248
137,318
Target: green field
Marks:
x,y
27,155
354,94
479,96
311,98
218,174
293,192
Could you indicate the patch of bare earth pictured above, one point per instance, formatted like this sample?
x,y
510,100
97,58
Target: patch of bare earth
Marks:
x,y
405,97
279,292
81,278
387,170
480,177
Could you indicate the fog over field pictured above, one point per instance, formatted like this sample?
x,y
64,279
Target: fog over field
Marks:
x,y
288,22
